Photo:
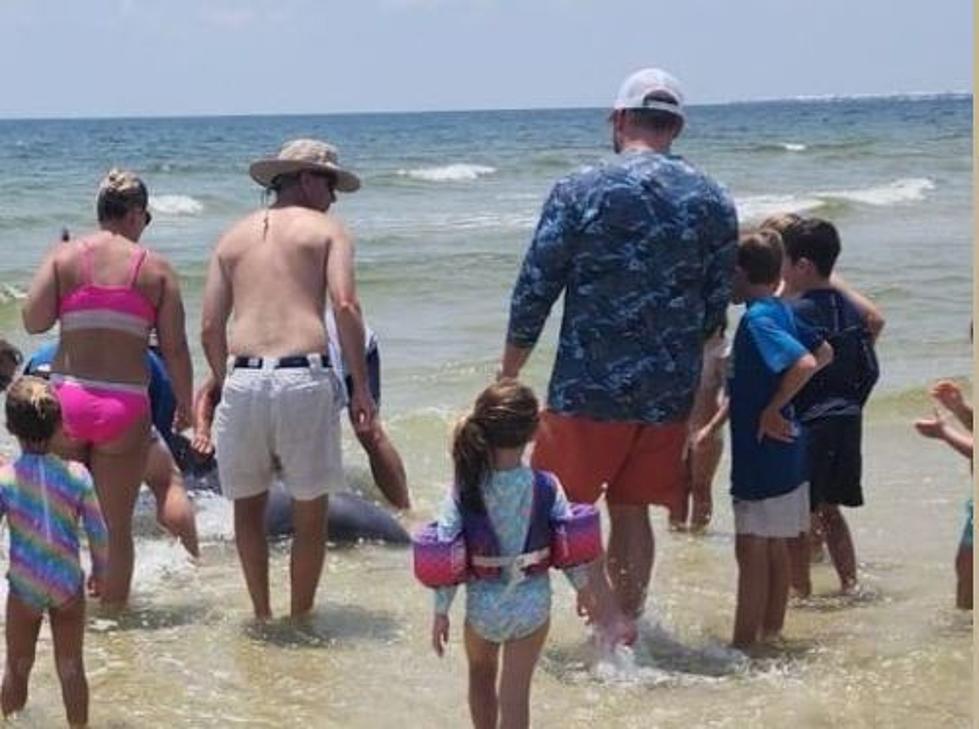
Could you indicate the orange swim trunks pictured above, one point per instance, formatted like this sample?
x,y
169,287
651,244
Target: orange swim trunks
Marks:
x,y
633,463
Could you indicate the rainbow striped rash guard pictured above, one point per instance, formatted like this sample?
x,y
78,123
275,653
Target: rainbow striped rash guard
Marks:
x,y
43,498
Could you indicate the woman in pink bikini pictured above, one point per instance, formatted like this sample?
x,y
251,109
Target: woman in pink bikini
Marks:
x,y
108,293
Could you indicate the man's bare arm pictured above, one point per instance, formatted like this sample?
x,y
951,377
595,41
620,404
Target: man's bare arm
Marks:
x,y
342,288
173,345
214,317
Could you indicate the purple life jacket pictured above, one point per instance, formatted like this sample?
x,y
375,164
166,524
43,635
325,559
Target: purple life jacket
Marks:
x,y
483,546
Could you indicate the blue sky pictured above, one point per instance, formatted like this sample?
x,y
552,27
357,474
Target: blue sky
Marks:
x,y
174,57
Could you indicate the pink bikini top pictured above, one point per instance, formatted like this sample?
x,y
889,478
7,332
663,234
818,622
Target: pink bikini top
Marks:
x,y
94,306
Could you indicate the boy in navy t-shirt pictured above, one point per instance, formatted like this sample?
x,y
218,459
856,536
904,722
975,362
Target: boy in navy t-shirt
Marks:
x,y
830,406
773,358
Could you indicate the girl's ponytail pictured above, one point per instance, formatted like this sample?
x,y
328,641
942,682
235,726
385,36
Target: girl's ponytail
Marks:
x,y
472,456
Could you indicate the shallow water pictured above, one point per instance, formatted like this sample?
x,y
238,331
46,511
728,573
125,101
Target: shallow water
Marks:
x,y
897,655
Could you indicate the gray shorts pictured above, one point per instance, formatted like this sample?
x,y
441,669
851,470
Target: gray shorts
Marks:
x,y
779,517
280,422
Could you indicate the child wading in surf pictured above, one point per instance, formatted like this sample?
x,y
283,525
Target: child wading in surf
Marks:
x,y
43,499
774,356
949,395
504,513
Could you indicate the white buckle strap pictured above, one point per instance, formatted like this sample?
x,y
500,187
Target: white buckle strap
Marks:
x,y
520,561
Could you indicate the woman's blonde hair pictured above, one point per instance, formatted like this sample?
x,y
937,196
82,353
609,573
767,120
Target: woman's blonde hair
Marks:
x,y
119,192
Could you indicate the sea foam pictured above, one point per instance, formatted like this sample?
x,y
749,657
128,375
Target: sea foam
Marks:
x,y
459,172
9,293
906,189
756,208
176,205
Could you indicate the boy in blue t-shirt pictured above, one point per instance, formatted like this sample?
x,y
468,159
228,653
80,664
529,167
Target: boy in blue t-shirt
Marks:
x,y
830,406
773,358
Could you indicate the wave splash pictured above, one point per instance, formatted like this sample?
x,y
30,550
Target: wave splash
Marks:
x,y
459,172
176,205
904,190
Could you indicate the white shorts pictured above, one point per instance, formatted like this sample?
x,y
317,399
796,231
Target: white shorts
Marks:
x,y
280,422
780,517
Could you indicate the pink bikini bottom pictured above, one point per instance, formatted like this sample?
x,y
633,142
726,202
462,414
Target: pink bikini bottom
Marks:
x,y
96,412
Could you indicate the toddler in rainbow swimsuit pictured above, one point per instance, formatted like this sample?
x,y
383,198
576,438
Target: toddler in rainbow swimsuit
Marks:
x,y
43,499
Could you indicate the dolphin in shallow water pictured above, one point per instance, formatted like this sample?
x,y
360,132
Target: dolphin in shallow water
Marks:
x,y
349,518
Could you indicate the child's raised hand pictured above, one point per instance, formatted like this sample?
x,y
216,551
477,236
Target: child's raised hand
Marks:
x,y
948,394
933,427
440,633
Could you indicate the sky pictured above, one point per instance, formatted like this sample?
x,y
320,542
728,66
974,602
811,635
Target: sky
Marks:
x,y
85,58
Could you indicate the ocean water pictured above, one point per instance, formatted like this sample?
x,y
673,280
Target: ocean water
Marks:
x,y
449,203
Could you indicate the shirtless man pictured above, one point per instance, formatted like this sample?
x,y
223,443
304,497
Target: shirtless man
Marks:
x,y
281,398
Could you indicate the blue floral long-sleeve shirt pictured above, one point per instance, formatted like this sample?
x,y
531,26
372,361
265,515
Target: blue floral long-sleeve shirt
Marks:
x,y
643,250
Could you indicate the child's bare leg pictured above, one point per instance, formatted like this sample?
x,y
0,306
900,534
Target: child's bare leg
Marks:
x,y
703,465
23,625
753,577
678,516
798,564
778,586
840,545
174,511
68,632
963,569
519,660
483,657
816,537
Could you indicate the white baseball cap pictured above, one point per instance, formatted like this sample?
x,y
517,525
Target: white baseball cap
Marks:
x,y
651,88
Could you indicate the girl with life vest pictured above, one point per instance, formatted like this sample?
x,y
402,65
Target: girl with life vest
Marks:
x,y
502,525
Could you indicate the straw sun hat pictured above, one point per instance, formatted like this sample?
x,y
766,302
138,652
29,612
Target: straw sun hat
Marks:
x,y
301,155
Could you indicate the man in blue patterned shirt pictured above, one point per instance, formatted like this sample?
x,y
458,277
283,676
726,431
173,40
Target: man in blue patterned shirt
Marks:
x,y
643,249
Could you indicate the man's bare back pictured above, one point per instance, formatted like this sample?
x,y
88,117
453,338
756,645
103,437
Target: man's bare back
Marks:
x,y
277,274
279,415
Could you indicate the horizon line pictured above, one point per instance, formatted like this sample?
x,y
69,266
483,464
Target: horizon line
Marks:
x,y
914,96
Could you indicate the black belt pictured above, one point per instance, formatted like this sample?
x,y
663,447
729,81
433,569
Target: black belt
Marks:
x,y
278,363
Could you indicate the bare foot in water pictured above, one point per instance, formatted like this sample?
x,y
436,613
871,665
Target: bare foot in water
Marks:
x,y
618,631
850,587
700,518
